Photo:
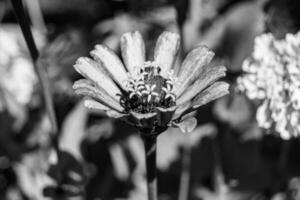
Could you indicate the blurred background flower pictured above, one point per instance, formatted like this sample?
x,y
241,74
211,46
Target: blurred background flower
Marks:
x,y
273,78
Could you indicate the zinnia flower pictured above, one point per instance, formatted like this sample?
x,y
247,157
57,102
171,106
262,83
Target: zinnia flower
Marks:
x,y
273,77
151,95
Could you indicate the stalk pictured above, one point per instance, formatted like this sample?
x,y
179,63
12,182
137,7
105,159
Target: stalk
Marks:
x,y
43,79
41,74
185,174
150,155
36,15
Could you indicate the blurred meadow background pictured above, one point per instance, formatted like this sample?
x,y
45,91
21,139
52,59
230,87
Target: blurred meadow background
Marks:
x,y
245,147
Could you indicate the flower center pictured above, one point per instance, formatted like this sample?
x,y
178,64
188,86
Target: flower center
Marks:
x,y
148,89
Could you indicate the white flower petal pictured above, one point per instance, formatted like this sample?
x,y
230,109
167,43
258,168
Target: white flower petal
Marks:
x,y
133,50
215,91
85,87
92,71
95,105
187,125
111,62
92,104
191,67
206,78
166,50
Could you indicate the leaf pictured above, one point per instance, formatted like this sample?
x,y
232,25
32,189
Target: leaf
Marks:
x,y
73,131
120,163
70,177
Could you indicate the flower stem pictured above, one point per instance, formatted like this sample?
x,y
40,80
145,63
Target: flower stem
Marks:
x,y
185,174
41,74
150,154
24,24
43,79
36,15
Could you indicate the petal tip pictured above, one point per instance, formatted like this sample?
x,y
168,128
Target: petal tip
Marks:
x,y
187,125
132,34
100,47
167,34
205,49
79,64
81,60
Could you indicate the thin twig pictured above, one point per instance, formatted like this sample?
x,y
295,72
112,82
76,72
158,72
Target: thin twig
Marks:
x,y
43,79
36,16
24,24
218,176
186,160
182,43
185,174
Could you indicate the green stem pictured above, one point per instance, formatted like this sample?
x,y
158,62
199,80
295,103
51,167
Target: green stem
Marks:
x,y
41,74
150,154
36,15
218,174
185,174
43,79
24,24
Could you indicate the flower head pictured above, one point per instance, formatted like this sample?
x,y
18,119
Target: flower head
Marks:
x,y
273,76
149,94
